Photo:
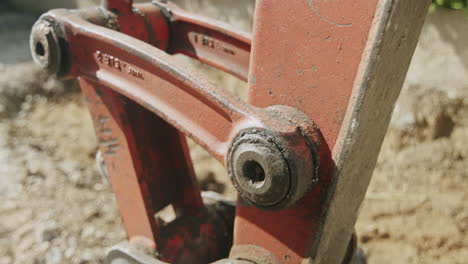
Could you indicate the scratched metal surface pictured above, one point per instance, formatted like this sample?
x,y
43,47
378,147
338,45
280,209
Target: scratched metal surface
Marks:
x,y
319,57
315,57
378,84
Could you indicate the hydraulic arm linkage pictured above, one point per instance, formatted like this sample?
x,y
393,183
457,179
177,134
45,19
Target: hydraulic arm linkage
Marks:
x,y
323,77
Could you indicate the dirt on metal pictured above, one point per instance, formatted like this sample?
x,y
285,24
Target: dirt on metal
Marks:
x,y
56,208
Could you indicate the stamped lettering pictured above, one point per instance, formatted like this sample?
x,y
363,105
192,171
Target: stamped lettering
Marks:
x,y
212,43
118,64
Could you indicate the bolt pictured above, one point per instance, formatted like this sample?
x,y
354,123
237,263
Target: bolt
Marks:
x,y
275,166
45,48
259,171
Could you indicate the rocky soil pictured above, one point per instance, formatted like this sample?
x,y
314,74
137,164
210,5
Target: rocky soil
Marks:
x,y
55,207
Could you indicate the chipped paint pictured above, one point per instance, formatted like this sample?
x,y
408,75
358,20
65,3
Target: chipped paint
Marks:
x,y
312,6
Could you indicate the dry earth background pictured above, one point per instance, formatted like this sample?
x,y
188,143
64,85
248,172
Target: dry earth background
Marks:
x,y
55,208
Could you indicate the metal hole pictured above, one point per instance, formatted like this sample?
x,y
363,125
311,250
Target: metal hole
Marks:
x,y
254,173
39,49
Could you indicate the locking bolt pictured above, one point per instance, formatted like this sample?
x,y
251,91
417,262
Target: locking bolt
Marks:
x,y
45,47
259,170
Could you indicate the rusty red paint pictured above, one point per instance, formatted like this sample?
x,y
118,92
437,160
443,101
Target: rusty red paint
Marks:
x,y
305,55
309,63
149,166
215,43
163,85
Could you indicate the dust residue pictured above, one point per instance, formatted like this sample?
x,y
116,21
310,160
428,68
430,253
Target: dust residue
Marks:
x,y
56,208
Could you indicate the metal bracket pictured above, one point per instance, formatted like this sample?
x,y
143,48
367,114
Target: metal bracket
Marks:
x,y
323,77
192,104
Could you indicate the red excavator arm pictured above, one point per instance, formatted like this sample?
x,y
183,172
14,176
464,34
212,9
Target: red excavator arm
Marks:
x,y
323,78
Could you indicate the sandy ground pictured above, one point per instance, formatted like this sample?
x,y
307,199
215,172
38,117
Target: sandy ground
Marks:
x,y
55,207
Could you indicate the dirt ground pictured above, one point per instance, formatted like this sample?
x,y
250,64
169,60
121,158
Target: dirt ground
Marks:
x,y
55,207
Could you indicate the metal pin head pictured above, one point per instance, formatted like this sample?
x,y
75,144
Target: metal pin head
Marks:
x,y
259,171
44,44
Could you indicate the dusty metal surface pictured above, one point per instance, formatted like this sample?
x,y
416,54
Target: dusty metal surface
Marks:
x,y
380,77
319,63
213,117
215,43
147,159
45,46
340,64
259,169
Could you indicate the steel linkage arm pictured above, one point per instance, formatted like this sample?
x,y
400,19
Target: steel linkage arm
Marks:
x,y
224,125
301,181
217,44
271,153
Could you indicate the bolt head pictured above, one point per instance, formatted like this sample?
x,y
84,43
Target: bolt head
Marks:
x,y
44,46
259,171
